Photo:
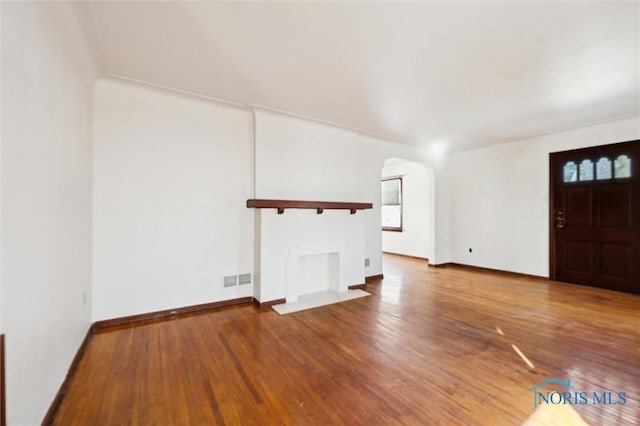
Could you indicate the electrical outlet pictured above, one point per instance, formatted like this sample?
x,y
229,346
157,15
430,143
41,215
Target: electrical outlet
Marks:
x,y
244,279
231,280
470,250
367,262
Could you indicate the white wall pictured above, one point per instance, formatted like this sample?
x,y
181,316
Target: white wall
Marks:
x,y
416,210
171,178
48,74
172,174
500,197
299,159
1,145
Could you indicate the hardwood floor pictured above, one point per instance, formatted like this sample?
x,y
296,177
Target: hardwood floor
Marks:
x,y
429,346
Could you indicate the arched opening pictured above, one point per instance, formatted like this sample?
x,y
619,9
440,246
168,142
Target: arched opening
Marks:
x,y
407,208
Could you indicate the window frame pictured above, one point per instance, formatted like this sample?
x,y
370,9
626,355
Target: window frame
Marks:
x,y
394,228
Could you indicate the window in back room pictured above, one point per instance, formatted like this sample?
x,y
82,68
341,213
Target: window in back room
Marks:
x,y
392,204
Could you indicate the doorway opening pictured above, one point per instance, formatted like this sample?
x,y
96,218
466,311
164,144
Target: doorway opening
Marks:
x,y
407,208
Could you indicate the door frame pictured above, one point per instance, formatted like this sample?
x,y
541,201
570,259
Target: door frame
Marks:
x,y
552,216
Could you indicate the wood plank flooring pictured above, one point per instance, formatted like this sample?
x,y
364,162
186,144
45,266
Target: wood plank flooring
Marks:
x,y
430,346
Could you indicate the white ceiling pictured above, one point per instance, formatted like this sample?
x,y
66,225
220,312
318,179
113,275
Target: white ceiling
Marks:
x,y
458,74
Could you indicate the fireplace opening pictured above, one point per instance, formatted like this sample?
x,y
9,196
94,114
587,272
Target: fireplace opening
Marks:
x,y
317,272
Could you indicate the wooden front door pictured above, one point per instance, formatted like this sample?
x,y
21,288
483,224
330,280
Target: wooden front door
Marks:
x,y
595,216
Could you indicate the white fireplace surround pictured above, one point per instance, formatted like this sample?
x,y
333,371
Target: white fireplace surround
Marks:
x,y
335,284
295,250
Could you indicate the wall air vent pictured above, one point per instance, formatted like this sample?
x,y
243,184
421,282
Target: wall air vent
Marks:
x,y
231,280
244,279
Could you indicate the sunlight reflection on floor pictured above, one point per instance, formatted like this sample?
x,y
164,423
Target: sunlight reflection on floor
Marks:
x,y
555,415
391,288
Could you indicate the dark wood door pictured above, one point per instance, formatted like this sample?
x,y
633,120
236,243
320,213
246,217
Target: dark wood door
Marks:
x,y
595,216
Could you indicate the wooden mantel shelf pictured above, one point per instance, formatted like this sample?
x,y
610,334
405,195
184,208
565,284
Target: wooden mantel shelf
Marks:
x,y
318,206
